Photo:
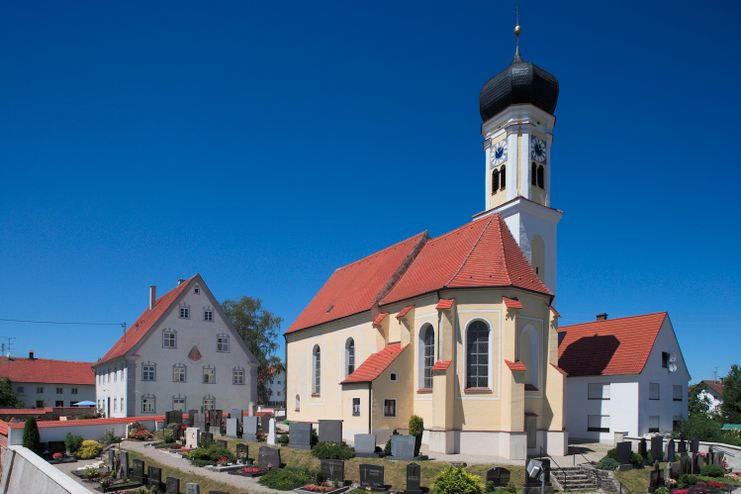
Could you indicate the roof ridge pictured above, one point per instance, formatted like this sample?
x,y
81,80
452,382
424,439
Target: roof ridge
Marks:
x,y
563,328
403,266
35,359
473,248
379,252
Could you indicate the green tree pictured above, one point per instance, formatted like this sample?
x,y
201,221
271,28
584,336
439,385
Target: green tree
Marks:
x,y
31,438
416,429
731,407
697,405
259,329
8,398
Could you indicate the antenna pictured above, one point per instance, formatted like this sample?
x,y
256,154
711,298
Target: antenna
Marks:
x,y
715,374
518,30
10,344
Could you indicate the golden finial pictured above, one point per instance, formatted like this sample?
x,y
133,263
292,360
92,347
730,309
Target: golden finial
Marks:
x,y
518,30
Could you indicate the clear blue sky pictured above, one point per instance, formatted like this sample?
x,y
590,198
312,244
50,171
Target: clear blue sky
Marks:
x,y
265,146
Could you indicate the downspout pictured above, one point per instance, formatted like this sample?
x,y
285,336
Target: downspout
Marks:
x,y
370,407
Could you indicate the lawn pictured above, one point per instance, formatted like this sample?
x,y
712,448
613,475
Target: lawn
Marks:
x,y
637,480
206,483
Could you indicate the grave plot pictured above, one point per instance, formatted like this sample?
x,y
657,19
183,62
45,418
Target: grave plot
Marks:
x,y
332,479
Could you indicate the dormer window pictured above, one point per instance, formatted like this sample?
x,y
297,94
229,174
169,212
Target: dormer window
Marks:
x,y
169,338
208,314
222,343
184,311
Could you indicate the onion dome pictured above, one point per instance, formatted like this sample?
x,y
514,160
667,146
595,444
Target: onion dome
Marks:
x,y
521,82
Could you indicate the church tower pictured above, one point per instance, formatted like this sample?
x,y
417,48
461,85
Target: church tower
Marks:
x,y
517,111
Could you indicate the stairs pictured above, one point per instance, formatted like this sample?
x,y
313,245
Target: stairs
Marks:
x,y
575,478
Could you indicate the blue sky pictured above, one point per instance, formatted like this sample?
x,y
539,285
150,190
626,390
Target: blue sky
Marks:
x,y
264,146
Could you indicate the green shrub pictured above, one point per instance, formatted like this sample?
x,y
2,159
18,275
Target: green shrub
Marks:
x,y
314,437
661,490
209,455
636,460
72,442
490,487
165,435
687,479
611,453
607,463
110,438
89,449
416,428
287,479
329,450
455,480
31,439
282,439
387,447
712,471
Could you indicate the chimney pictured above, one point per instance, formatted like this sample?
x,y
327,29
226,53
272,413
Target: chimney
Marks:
x,y
152,296
30,355
602,316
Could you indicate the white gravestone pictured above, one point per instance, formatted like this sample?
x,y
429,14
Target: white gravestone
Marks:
x,y
271,432
191,437
231,427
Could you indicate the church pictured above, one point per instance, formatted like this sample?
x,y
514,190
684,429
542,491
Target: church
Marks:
x,y
458,329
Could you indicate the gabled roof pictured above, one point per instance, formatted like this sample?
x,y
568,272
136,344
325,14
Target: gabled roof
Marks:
x,y
482,253
41,370
375,364
715,386
355,288
141,327
610,347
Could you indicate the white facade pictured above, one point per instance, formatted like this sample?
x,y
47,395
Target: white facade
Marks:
x,y
629,402
192,362
277,390
40,395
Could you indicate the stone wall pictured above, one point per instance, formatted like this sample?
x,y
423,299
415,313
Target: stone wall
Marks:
x,y
23,469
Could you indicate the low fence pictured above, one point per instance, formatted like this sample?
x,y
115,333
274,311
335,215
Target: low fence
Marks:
x,y
23,469
87,428
732,453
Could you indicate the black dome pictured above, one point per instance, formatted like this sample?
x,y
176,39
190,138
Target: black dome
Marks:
x,y
521,82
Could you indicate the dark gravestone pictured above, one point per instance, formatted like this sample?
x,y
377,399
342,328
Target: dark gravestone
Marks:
x,y
154,477
670,450
222,443
111,459
657,448
656,479
249,428
371,476
414,479
402,447
685,463
365,445
137,471
333,471
268,456
56,447
173,417
623,450
682,446
206,439
330,431
172,485
123,467
498,476
642,448
265,423
694,446
701,462
299,435
675,469
188,421
199,420
242,451
192,488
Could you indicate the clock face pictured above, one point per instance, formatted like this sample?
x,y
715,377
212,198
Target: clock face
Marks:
x,y
499,153
537,149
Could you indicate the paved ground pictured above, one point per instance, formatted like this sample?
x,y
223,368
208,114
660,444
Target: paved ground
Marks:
x,y
580,453
68,467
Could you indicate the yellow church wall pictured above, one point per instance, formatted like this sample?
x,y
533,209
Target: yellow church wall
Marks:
x,y
384,388
354,424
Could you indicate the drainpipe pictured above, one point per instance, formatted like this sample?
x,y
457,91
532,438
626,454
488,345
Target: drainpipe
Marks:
x,y
370,407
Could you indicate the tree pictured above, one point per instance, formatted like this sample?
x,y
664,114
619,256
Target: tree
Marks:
x,y
259,330
31,438
697,405
8,398
731,406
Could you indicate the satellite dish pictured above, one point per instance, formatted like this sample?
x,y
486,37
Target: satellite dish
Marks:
x,y
672,367
672,358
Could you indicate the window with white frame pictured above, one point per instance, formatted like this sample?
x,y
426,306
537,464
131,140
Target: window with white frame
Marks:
x,y
598,423
149,372
349,356
477,355
169,338
222,343
179,373
316,387
209,375
208,314
356,407
598,391
653,423
209,402
389,408
184,311
297,404
427,355
121,405
654,391
73,391
148,405
677,394
238,375
178,403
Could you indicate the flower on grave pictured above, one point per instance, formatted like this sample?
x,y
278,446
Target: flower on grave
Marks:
x,y
679,491
222,460
714,483
57,456
270,466
670,483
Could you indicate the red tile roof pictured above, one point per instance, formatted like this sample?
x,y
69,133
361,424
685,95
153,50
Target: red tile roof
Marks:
x,y
516,366
441,365
512,303
403,312
45,424
445,304
715,386
141,327
379,318
611,347
375,364
355,288
41,370
482,253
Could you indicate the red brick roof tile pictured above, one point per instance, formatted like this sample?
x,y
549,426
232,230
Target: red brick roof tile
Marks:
x,y
441,365
445,304
40,370
375,364
379,318
516,366
611,347
512,303
403,312
715,386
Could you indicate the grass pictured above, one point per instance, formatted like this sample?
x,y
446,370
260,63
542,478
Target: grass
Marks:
x,y
185,477
635,480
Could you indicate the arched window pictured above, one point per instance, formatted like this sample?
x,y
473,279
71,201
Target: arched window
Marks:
x,y
534,173
427,340
349,356
541,177
297,407
494,181
529,354
317,371
477,355
502,177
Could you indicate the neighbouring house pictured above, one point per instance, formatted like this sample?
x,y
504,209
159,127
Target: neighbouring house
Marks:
x,y
182,353
41,383
457,329
623,375
712,392
277,389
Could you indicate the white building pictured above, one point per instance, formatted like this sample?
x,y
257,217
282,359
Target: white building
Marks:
x,y
277,389
40,383
624,375
712,392
182,353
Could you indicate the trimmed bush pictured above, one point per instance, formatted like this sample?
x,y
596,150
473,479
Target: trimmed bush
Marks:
x,y
314,440
72,442
636,460
712,471
387,447
455,480
287,479
31,439
89,449
607,463
416,428
687,479
329,450
210,455
282,439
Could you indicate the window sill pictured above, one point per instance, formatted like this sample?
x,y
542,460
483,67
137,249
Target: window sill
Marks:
x,y
599,399
423,391
315,395
598,429
654,399
389,416
653,430
530,387
477,391
678,399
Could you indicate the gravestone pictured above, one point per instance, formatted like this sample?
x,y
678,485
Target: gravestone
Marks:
x,y
206,439
655,478
333,471
242,451
154,477
642,448
268,456
371,476
414,479
701,462
173,417
192,488
498,476
670,450
271,432
188,421
123,466
222,443
56,447
237,413
111,459
657,448
682,446
365,445
172,485
685,463
192,436
214,430
623,450
137,471
249,428
402,447
264,423
694,446
675,469
231,427
299,435
199,420
330,431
